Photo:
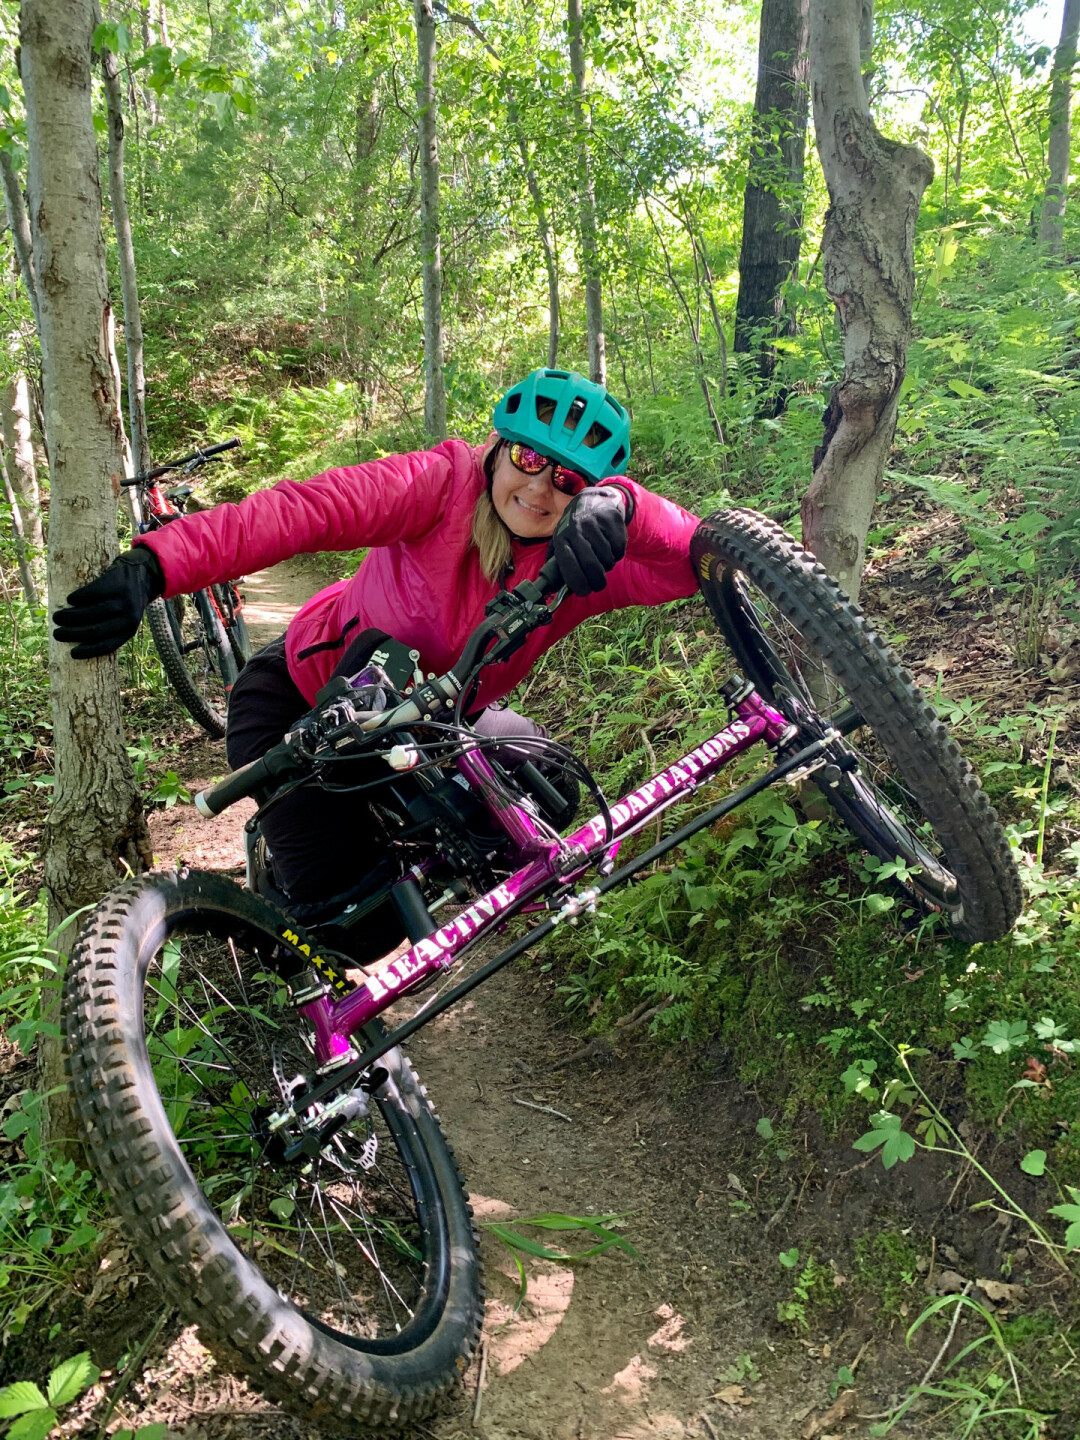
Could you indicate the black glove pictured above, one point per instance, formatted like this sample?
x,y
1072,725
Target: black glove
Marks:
x,y
590,539
107,611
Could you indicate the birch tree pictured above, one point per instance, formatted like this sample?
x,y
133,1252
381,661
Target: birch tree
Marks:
x,y
586,200
430,241
1052,219
95,827
19,461
875,187
129,288
772,203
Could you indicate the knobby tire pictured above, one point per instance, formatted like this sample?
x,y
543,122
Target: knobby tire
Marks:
x,y
147,1092
791,628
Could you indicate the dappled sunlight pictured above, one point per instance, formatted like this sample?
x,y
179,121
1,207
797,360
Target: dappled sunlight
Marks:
x,y
669,1336
514,1337
630,1383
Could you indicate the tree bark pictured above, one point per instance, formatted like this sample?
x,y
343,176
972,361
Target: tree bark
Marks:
x,y
26,574
875,188
430,242
543,229
15,207
95,827
129,288
590,250
19,457
1052,219
773,200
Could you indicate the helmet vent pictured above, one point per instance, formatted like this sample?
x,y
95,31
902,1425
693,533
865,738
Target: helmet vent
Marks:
x,y
596,436
574,414
619,456
513,403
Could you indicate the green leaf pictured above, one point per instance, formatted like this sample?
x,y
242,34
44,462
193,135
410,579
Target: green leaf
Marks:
x,y
156,1430
34,1425
845,1376
1005,1035
1034,1162
23,1395
283,1207
112,37
1072,1214
878,904
71,1378
764,1128
964,390
789,1258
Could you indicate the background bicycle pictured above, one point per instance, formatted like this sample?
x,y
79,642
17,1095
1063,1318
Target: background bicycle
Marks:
x,y
202,638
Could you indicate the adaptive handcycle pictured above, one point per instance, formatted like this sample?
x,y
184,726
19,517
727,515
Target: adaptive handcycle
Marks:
x,y
269,1148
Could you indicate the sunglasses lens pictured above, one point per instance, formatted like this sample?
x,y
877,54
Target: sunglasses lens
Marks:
x,y
528,461
568,482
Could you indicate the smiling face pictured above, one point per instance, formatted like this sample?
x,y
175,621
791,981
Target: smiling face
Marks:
x,y
528,505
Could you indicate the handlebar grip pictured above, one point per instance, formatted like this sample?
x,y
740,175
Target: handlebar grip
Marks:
x,y
275,764
549,578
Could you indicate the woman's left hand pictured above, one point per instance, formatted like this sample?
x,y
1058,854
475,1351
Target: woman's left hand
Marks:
x,y
590,538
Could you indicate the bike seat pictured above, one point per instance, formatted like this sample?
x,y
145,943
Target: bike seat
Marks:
x,y
179,492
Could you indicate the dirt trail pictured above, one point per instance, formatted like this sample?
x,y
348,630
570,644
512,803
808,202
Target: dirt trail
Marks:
x,y
684,1343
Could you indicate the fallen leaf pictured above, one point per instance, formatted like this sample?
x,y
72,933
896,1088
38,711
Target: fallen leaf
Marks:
x,y
838,1410
734,1183
948,1282
999,1293
734,1395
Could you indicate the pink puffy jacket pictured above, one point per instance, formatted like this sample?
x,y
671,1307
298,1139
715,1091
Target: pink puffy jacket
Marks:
x,y
421,581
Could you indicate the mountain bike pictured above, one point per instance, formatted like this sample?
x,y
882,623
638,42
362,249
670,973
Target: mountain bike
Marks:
x,y
271,1152
202,638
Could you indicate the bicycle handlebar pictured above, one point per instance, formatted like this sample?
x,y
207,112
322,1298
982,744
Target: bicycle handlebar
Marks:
x,y
199,456
518,619
281,761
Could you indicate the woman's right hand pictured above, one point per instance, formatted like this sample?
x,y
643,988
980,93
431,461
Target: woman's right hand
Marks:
x,y
104,613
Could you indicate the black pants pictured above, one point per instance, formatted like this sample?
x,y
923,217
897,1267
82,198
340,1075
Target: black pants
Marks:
x,y
322,844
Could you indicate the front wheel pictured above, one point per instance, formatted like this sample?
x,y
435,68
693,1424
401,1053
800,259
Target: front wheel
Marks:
x,y
344,1279
896,778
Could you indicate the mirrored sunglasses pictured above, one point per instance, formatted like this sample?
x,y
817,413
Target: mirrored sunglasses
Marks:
x,y
530,462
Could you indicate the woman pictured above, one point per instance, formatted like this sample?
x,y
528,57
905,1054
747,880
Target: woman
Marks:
x,y
447,527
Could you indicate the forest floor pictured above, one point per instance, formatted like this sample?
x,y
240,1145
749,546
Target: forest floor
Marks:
x,y
684,1342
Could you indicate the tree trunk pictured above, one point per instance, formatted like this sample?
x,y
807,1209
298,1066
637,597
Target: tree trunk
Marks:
x,y
26,574
772,203
1052,220
95,825
129,289
19,457
543,230
15,207
875,187
590,250
430,244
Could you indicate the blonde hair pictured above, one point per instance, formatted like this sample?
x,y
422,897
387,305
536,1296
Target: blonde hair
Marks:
x,y
491,538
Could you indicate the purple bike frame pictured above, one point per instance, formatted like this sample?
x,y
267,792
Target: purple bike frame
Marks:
x,y
546,861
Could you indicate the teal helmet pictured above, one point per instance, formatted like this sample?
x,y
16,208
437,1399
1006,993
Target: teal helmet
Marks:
x,y
561,414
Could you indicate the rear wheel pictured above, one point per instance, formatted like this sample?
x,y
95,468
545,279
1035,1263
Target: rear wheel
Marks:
x,y
896,778
343,1276
187,635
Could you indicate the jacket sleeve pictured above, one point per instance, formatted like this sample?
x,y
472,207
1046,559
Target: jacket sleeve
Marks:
x,y
656,567
400,497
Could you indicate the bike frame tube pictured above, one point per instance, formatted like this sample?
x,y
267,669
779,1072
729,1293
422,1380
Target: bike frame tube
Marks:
x,y
547,862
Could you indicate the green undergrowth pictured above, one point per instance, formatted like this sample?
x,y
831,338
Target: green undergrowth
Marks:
x,y
776,936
